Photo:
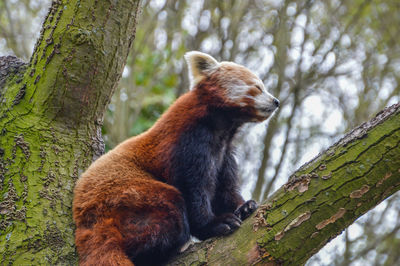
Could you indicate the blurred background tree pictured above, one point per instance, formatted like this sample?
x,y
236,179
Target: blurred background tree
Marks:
x,y
333,64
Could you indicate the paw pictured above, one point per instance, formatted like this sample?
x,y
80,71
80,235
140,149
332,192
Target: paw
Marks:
x,y
246,209
226,224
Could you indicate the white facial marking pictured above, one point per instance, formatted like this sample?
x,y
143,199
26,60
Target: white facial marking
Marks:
x,y
238,90
264,102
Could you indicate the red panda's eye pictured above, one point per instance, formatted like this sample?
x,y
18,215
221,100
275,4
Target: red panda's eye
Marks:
x,y
259,88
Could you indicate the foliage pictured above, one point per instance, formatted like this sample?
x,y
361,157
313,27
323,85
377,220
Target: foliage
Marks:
x,y
143,95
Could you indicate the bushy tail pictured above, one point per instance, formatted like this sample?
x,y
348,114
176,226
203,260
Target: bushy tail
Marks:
x,y
115,257
101,245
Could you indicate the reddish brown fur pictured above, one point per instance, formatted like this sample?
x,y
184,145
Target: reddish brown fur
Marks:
x,y
237,71
131,171
253,91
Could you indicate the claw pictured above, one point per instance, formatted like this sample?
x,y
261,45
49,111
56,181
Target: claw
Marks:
x,y
246,209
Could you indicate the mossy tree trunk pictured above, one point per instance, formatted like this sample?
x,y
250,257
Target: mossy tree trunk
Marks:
x,y
318,202
51,113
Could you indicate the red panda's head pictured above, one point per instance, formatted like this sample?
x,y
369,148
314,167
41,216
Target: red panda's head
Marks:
x,y
229,85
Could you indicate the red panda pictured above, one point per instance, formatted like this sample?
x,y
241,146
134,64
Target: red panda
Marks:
x,y
140,202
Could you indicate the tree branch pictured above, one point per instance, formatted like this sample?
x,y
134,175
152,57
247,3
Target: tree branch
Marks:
x,y
318,202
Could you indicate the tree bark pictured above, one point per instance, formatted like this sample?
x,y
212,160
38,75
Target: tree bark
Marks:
x,y
318,202
51,112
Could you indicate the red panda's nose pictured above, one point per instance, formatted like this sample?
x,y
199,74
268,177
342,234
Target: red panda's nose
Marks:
x,y
276,102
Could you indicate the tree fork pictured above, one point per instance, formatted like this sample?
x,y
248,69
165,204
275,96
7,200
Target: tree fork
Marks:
x,y
318,202
51,112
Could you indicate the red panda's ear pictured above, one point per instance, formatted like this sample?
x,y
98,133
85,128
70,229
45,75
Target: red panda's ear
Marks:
x,y
200,65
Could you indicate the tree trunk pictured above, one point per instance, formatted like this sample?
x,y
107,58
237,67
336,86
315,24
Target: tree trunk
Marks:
x,y
318,202
51,113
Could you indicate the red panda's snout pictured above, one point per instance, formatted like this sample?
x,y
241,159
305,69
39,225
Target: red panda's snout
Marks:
x,y
265,105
